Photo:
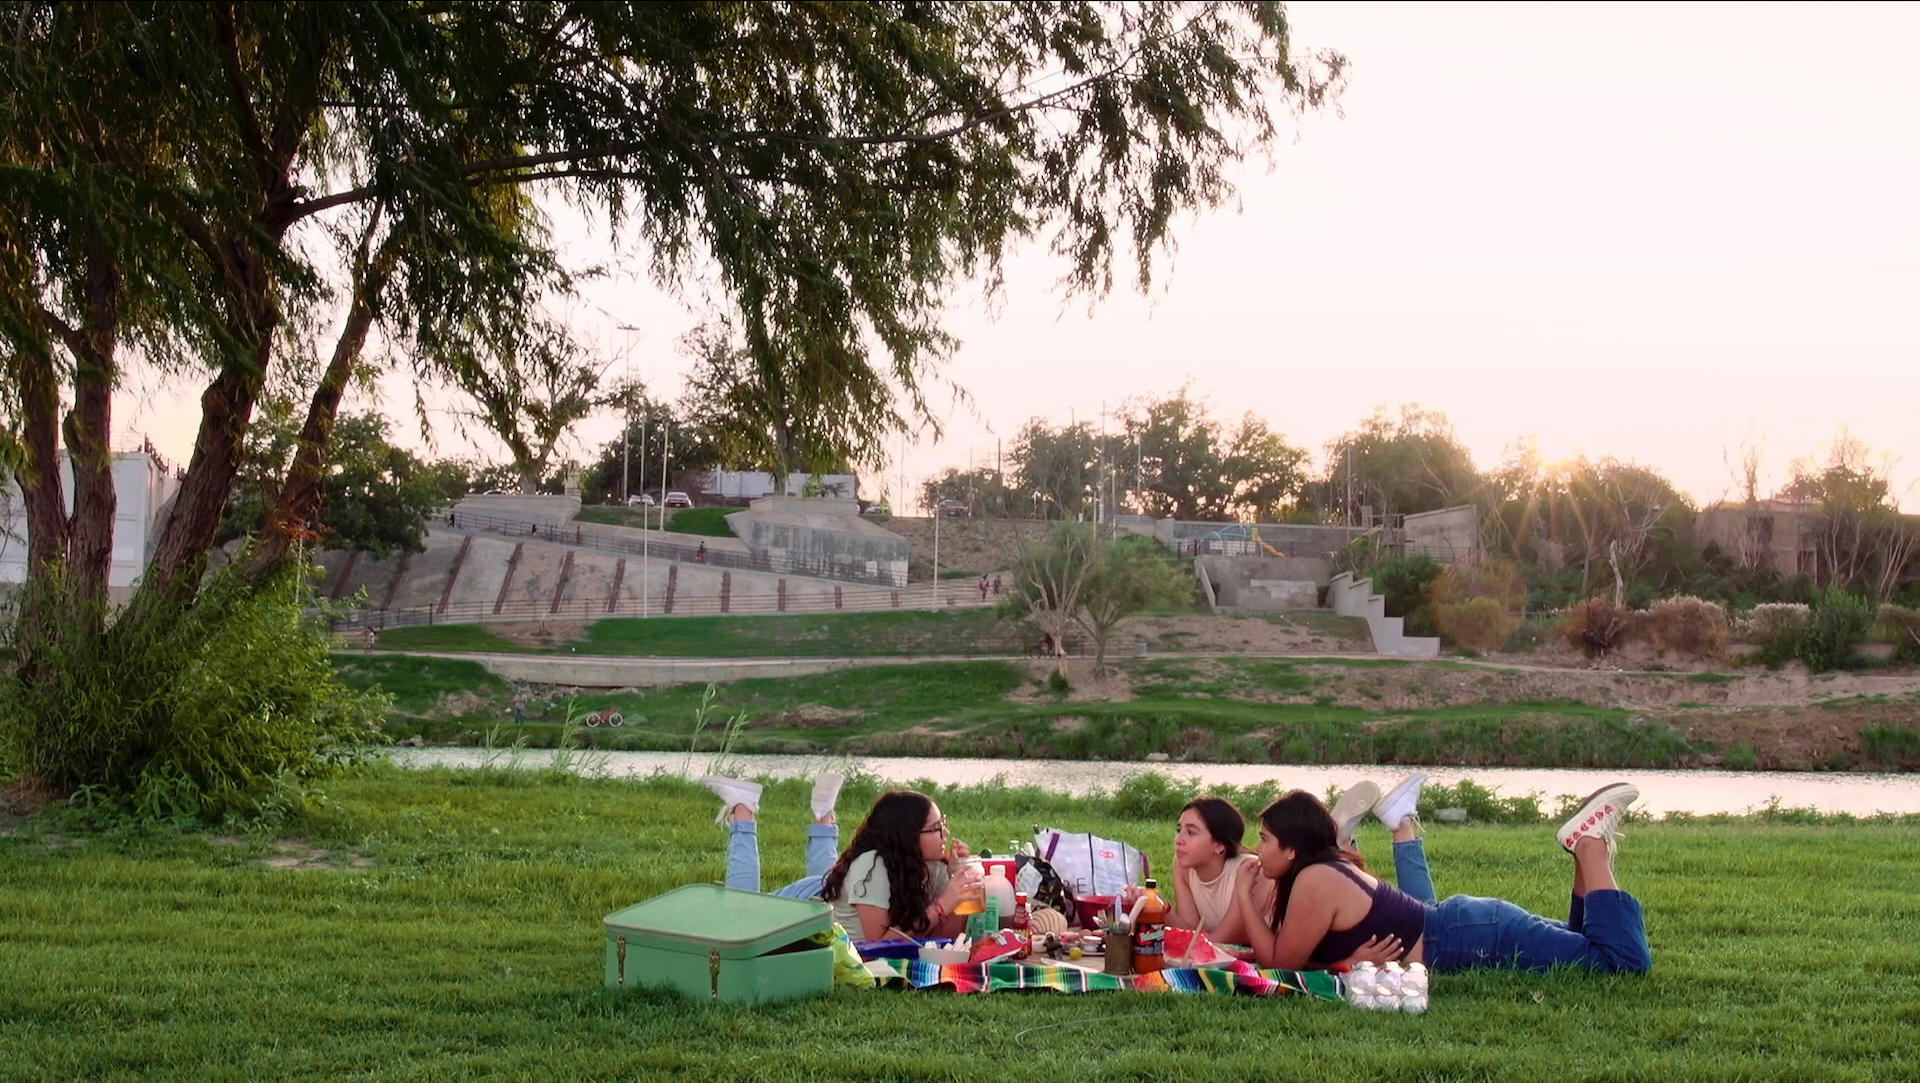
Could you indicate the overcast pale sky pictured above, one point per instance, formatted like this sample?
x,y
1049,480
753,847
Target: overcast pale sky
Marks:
x,y
1647,231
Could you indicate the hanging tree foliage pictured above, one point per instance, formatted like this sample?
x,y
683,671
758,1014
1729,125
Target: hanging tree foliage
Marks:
x,y
195,184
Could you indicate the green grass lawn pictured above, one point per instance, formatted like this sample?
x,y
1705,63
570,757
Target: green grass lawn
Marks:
x,y
968,708
702,522
470,949
809,635
837,635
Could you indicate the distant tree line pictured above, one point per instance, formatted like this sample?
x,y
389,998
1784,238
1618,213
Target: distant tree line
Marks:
x,y
1577,527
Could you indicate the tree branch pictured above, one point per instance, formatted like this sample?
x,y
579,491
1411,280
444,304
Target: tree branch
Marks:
x,y
250,131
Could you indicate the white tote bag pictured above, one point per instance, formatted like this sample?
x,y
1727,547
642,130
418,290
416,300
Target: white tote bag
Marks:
x,y
1090,864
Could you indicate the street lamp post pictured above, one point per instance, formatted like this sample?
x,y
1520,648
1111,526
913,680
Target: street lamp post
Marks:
x,y
646,564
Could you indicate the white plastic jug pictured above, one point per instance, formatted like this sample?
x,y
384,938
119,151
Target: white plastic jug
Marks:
x,y
1000,889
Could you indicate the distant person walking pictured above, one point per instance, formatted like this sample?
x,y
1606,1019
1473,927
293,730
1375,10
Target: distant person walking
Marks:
x,y
996,585
700,554
983,588
367,638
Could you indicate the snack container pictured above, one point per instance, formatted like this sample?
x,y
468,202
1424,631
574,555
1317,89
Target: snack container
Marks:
x,y
720,945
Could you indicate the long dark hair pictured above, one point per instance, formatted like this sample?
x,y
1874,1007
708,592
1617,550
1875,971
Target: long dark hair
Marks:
x,y
1223,821
1299,822
892,830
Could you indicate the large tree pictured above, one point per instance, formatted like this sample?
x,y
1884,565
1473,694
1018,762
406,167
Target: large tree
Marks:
x,y
375,499
1055,471
1184,464
1860,541
200,183
1404,463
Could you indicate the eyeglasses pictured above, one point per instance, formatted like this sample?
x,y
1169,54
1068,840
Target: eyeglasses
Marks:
x,y
939,827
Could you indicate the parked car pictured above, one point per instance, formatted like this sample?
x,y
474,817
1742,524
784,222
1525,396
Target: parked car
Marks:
x,y
640,500
877,508
954,509
677,499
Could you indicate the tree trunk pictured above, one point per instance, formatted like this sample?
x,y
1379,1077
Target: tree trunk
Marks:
x,y
44,495
226,407
41,488
89,441
300,494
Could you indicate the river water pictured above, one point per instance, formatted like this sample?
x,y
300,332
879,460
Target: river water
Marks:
x,y
1697,792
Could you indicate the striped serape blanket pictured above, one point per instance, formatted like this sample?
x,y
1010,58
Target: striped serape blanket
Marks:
x,y
1235,978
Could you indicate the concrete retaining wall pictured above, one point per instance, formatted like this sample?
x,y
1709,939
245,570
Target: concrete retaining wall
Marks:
x,y
1265,582
1293,539
543,509
822,531
1450,535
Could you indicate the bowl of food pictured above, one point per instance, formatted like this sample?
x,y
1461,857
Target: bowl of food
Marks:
x,y
1089,908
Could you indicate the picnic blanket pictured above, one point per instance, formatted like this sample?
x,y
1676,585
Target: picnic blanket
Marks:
x,y
1236,978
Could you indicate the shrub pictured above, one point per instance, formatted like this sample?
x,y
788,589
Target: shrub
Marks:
x,y
1836,627
1894,746
1478,605
1776,628
1480,623
224,709
1405,583
1689,626
1596,625
1900,626
1533,633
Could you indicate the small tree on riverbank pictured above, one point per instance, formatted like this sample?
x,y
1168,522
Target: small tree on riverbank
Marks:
x,y
1079,577
1129,575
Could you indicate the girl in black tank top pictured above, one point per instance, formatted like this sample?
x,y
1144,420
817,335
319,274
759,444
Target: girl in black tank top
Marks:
x,y
1297,833
1327,912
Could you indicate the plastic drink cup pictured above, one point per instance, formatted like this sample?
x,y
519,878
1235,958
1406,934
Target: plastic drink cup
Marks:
x,y
975,900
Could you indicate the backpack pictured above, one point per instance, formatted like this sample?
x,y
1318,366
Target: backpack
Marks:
x,y
1036,878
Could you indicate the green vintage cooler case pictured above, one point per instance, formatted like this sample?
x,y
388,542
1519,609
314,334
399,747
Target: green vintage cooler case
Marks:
x,y
721,945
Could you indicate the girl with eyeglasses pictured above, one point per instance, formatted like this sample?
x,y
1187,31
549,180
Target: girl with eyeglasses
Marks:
x,y
902,875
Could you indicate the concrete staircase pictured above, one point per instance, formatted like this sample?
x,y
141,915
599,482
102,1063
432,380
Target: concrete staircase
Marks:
x,y
1355,598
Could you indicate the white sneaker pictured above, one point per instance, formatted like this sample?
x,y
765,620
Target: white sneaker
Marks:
x,y
1599,815
826,793
1354,804
1400,803
731,792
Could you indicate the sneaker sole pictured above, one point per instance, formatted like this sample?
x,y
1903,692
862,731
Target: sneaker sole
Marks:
x,y
1353,806
1587,815
1414,782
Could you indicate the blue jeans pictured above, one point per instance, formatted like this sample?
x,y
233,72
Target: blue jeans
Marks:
x,y
1605,931
1410,868
743,858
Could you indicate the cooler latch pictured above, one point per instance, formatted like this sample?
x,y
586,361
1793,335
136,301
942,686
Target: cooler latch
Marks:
x,y
713,974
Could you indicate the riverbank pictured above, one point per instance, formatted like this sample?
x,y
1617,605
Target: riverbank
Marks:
x,y
1193,709
1482,794
445,924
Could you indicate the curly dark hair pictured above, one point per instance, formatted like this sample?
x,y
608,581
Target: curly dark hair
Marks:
x,y
892,830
